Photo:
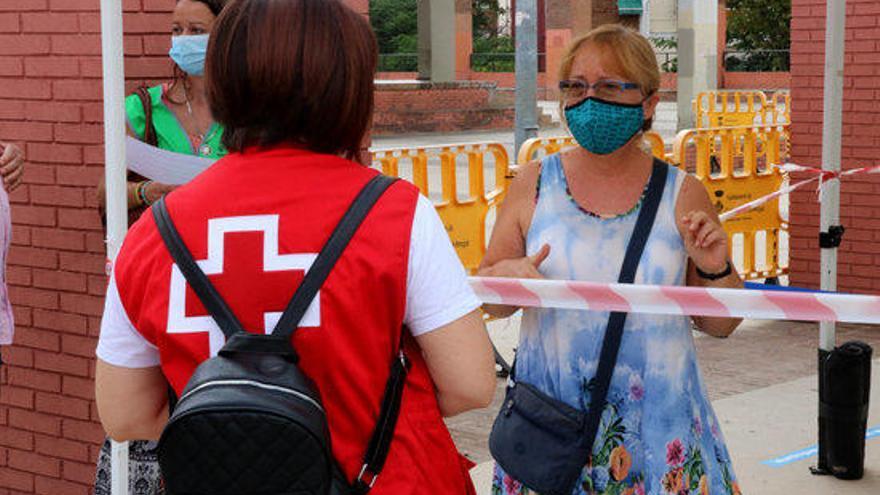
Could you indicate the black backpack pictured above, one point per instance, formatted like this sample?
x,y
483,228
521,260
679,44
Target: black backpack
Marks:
x,y
250,421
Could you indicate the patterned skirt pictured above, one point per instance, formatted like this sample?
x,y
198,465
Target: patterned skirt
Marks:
x,y
144,477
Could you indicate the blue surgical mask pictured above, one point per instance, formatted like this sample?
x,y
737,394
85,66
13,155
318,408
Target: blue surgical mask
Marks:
x,y
603,127
188,52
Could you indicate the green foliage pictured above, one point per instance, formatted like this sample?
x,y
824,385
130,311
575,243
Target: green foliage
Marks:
x,y
493,52
758,35
667,57
396,25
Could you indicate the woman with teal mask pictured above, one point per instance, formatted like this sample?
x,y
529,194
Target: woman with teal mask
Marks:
x,y
571,217
175,117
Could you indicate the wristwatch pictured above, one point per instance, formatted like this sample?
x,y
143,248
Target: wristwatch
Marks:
x,y
715,276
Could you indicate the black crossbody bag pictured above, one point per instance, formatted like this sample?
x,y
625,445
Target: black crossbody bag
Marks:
x,y
249,420
545,443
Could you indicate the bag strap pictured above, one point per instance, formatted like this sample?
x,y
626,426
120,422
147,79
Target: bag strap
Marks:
x,y
383,434
150,135
330,254
194,275
614,332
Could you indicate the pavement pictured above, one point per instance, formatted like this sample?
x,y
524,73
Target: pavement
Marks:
x,y
762,384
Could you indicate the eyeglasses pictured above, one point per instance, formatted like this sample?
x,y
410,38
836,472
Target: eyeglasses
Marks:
x,y
575,90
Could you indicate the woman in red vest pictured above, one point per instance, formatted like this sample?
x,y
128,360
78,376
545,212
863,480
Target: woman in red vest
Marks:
x,y
292,83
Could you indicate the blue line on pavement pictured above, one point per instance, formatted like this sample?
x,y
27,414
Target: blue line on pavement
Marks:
x,y
810,451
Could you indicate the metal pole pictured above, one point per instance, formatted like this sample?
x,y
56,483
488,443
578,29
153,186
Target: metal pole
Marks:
x,y
114,172
526,20
831,147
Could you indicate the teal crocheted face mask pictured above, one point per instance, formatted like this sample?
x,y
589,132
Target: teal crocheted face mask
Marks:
x,y
603,127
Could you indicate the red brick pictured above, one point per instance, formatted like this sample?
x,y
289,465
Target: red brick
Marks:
x,y
82,304
77,90
20,481
38,339
79,472
35,257
24,44
23,5
82,262
34,421
34,463
97,285
40,67
16,397
39,174
53,112
63,281
84,388
85,431
54,153
59,405
63,322
80,176
61,363
67,240
17,439
9,23
49,23
58,196
26,131
147,23
78,219
19,356
18,275
79,133
76,44
36,298
52,486
78,346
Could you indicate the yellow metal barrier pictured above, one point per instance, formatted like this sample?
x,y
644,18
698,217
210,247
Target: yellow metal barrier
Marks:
x,y
734,165
533,148
464,217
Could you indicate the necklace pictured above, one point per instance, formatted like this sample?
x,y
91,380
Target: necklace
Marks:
x,y
204,148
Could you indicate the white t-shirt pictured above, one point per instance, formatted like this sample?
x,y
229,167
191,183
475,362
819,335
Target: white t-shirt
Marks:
x,y
437,293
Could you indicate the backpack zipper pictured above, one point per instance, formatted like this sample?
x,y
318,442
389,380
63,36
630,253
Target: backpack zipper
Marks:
x,y
252,383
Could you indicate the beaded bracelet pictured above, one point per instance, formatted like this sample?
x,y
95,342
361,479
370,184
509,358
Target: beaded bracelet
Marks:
x,y
142,192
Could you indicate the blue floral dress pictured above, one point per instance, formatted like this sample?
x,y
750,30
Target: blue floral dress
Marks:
x,y
658,434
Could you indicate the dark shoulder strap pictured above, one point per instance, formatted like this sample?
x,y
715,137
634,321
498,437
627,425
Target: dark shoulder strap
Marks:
x,y
330,254
194,275
616,321
150,135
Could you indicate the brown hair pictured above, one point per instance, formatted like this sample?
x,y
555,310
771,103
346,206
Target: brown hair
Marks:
x,y
631,52
295,71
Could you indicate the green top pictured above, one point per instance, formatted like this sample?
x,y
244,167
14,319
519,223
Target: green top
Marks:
x,y
170,132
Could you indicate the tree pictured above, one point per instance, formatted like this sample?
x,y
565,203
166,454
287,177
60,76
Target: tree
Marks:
x,y
758,35
396,25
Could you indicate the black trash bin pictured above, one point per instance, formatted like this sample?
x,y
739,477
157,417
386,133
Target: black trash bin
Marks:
x,y
844,390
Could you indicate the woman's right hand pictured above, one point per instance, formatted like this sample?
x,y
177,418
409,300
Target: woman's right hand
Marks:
x,y
155,190
525,267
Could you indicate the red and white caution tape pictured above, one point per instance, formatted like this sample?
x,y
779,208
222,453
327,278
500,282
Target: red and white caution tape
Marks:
x,y
822,176
672,300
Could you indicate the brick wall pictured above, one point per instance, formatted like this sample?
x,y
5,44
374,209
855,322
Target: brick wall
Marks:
x,y
50,103
859,267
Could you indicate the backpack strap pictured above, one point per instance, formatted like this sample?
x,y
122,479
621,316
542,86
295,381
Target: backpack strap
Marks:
x,y
194,275
330,254
614,332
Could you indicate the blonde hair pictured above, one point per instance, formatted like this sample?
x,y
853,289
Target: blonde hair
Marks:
x,y
629,51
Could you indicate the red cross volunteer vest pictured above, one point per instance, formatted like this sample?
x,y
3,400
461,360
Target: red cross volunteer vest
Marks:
x,y
255,222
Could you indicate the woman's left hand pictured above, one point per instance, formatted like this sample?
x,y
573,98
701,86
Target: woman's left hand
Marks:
x,y
705,241
11,165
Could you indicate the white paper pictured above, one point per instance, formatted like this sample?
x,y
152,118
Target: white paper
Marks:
x,y
163,166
